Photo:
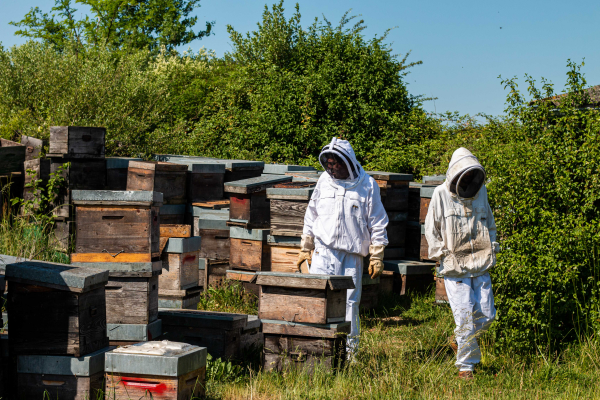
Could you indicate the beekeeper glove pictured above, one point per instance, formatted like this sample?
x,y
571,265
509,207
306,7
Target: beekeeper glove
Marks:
x,y
376,262
307,244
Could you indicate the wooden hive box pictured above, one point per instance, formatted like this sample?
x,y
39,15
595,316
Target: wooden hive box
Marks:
x,y
67,303
116,172
205,180
173,214
410,275
180,260
158,370
307,298
284,253
126,334
61,377
396,229
117,226
424,254
131,300
282,169
371,289
245,278
235,170
167,178
426,194
81,175
249,249
33,147
36,169
12,156
288,206
211,226
249,204
393,188
219,332
301,346
186,299
77,142
215,271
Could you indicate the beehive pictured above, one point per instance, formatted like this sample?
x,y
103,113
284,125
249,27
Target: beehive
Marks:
x,y
249,249
167,178
77,142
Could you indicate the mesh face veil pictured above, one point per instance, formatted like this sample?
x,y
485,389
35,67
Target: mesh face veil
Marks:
x,y
341,152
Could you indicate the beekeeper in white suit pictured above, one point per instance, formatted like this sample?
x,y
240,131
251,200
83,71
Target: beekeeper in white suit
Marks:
x,y
344,222
461,233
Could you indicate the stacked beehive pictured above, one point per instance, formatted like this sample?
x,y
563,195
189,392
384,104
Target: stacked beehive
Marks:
x,y
303,319
12,157
118,231
83,149
68,305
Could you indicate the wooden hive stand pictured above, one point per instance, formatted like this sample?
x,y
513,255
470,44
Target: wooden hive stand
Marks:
x,y
158,370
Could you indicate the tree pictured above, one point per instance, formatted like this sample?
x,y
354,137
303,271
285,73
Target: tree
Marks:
x,y
116,24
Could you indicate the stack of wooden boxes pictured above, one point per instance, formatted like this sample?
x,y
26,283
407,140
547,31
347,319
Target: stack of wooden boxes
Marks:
x,y
156,370
68,305
178,283
211,225
83,149
303,319
12,157
118,231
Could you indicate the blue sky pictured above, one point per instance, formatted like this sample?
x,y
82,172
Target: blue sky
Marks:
x,y
464,45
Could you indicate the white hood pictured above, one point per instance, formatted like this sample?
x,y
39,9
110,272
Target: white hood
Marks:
x,y
464,161
343,150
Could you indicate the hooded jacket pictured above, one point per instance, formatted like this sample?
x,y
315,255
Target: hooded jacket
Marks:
x,y
461,231
347,214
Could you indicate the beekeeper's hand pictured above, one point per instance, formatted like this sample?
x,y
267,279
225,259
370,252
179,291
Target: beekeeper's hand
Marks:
x,y
376,262
307,244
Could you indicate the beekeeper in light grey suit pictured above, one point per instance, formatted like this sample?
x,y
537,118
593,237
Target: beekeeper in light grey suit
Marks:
x,y
461,233
344,222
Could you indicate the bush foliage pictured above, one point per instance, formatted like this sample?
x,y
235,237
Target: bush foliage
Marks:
x,y
285,90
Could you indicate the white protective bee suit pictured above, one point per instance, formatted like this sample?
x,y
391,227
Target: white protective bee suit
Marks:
x,y
461,233
345,220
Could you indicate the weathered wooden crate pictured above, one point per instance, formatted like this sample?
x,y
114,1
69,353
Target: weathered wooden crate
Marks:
x,y
282,169
167,178
371,289
215,271
396,229
211,226
117,226
33,147
180,259
249,249
205,180
77,142
36,169
126,334
219,332
12,156
284,253
187,299
157,370
249,204
131,300
393,189
426,194
81,175
245,278
67,303
410,275
307,298
61,377
440,290
301,346
116,172
288,207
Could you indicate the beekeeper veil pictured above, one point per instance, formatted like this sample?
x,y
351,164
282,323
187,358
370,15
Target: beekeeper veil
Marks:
x,y
465,174
341,151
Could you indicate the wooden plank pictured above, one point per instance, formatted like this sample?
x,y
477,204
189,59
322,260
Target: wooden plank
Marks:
x,y
171,182
291,282
395,198
308,306
396,232
255,185
277,344
299,329
424,248
242,276
213,204
287,217
105,257
424,207
33,147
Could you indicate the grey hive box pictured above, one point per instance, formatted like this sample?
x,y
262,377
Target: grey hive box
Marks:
x,y
68,302
120,334
249,203
434,179
219,332
165,370
186,299
410,275
180,260
307,298
249,249
117,226
77,142
61,377
211,226
116,172
302,346
282,169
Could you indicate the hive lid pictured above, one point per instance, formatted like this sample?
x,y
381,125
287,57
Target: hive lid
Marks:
x,y
119,162
202,319
92,197
134,332
158,166
281,169
5,260
237,232
254,185
330,331
207,213
434,179
59,276
197,166
427,191
287,241
172,209
87,365
303,281
156,358
183,245
290,193
146,267
409,267
217,223
390,176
